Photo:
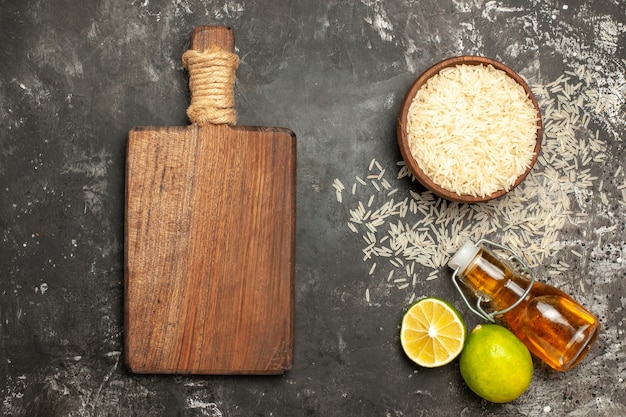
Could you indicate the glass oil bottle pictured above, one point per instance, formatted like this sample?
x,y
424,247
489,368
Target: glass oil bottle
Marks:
x,y
554,327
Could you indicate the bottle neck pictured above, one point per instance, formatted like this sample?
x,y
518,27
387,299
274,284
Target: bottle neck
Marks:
x,y
493,278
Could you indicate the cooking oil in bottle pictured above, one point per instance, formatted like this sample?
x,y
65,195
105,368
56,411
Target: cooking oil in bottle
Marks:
x,y
554,327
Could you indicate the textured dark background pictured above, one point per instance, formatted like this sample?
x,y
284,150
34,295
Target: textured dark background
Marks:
x,y
76,75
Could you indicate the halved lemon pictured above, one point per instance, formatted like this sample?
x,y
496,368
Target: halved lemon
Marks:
x,y
432,333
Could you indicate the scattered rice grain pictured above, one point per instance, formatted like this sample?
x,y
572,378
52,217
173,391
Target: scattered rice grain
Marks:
x,y
420,231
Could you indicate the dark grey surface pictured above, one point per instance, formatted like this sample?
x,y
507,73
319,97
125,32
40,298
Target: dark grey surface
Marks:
x,y
75,76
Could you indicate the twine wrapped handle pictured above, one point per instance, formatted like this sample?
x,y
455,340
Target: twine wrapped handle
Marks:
x,y
211,68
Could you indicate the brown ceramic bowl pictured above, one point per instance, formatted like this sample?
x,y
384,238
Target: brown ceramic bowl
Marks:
x,y
404,142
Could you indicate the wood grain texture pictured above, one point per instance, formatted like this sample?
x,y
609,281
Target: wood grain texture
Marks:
x,y
210,249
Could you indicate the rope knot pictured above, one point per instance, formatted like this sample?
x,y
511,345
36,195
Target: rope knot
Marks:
x,y
211,81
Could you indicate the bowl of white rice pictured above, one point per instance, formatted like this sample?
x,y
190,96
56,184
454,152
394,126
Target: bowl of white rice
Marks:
x,y
470,129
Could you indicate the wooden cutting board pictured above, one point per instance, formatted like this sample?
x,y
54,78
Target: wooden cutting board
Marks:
x,y
210,245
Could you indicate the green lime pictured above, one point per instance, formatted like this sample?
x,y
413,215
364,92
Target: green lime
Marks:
x,y
495,364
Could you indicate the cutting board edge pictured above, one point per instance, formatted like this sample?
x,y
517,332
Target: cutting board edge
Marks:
x,y
215,372
259,128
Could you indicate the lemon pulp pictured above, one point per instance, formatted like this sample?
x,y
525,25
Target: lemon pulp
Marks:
x,y
432,333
